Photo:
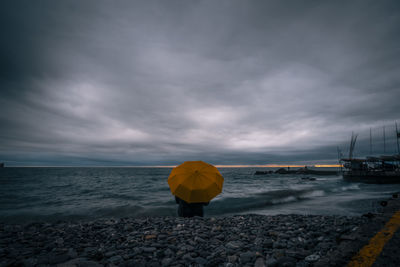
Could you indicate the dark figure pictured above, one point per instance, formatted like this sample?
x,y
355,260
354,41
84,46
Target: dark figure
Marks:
x,y
190,209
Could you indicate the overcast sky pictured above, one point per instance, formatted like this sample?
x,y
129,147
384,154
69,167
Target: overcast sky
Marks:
x,y
161,82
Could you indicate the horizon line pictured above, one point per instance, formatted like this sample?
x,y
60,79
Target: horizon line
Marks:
x,y
173,166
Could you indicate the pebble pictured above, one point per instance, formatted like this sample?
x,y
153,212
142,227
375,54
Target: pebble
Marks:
x,y
200,260
312,258
271,262
246,240
115,259
234,245
232,258
149,249
259,263
167,261
246,257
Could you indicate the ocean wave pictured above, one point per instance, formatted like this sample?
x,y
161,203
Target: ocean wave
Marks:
x,y
262,200
346,188
313,193
284,200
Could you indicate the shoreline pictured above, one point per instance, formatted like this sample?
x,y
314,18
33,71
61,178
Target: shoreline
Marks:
x,y
240,240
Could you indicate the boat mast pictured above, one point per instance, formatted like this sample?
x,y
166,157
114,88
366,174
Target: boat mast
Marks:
x,y
352,144
397,139
370,142
384,141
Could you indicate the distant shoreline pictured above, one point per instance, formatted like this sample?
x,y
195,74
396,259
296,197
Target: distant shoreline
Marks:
x,y
173,166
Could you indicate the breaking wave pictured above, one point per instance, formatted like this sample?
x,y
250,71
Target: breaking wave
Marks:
x,y
262,200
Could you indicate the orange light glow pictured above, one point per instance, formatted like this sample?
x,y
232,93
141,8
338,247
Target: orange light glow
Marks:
x,y
260,166
328,166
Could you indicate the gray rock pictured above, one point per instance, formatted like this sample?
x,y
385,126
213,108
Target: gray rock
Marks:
x,y
128,256
189,248
90,250
167,261
116,259
234,245
149,249
260,262
187,257
59,241
268,243
220,237
55,258
306,264
72,253
200,260
109,254
137,251
271,262
283,236
168,252
136,263
128,227
247,257
312,258
199,239
78,262
153,263
286,261
89,264
232,258
28,262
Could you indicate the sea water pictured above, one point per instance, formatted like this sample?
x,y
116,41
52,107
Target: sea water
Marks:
x,y
49,194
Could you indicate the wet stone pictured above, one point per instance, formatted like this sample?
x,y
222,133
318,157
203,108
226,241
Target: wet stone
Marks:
x,y
109,254
260,262
200,260
234,245
247,257
199,239
167,261
149,249
72,253
279,244
115,259
271,262
312,258
55,258
187,257
268,243
286,261
232,258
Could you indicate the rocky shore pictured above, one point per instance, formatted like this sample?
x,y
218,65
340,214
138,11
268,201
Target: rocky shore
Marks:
x,y
248,240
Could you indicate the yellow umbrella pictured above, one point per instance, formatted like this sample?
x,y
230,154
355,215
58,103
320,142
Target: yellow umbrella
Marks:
x,y
195,181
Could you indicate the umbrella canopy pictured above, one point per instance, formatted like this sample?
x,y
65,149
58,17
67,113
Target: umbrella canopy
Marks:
x,y
195,181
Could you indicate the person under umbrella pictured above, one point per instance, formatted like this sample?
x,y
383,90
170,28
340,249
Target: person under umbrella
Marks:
x,y
190,209
194,184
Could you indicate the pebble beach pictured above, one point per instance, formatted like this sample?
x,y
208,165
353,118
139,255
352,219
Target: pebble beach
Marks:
x,y
56,217
248,240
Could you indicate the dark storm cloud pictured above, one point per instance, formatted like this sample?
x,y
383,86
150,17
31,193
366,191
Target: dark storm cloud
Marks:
x,y
159,82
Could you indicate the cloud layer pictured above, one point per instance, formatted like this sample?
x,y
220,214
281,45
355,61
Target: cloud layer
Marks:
x,y
160,82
